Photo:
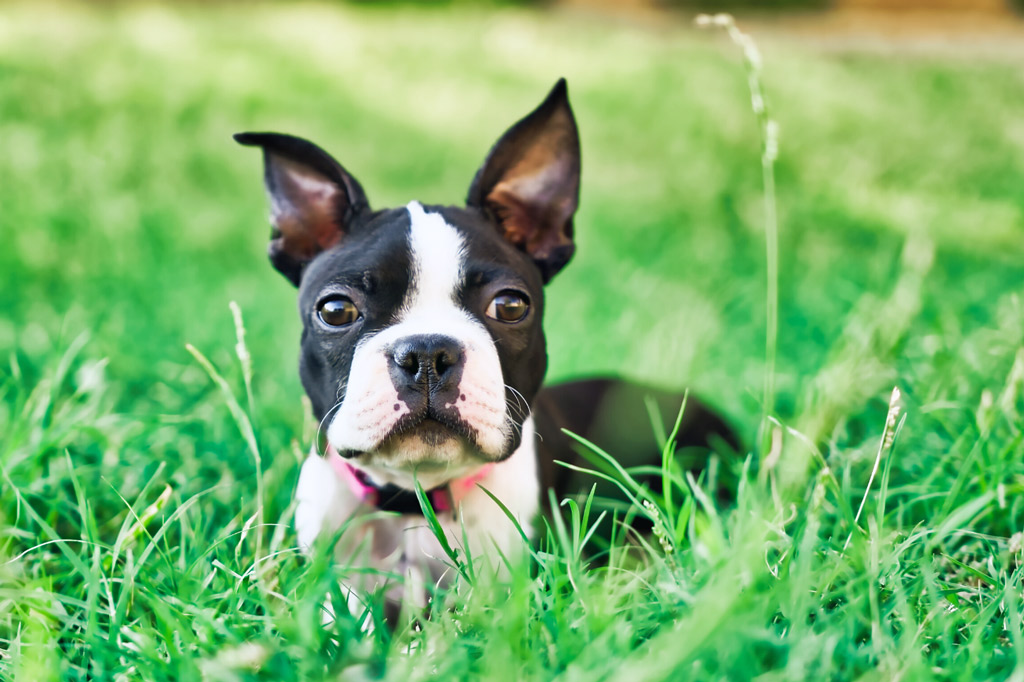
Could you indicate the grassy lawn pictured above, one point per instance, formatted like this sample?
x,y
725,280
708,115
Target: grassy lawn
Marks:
x,y
144,536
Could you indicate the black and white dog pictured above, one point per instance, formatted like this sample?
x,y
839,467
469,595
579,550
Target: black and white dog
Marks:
x,y
423,353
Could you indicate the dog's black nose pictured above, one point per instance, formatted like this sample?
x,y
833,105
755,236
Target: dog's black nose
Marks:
x,y
430,360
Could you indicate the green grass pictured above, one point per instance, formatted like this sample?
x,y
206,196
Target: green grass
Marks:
x,y
131,545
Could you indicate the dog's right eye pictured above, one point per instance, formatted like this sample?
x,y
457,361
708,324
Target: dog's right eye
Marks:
x,y
508,306
337,311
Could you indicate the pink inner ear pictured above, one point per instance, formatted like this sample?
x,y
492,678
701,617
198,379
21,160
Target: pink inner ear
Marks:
x,y
536,194
532,205
304,209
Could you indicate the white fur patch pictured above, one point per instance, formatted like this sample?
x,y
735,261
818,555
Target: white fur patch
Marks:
x,y
438,255
371,407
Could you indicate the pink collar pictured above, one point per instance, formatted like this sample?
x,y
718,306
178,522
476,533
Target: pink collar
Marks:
x,y
441,498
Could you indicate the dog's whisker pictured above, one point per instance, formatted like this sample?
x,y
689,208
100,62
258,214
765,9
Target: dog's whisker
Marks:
x,y
320,426
522,407
519,396
514,409
516,426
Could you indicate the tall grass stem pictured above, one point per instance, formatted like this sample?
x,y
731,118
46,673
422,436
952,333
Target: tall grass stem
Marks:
x,y
769,130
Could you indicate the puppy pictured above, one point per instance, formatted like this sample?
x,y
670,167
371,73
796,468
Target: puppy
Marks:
x,y
423,353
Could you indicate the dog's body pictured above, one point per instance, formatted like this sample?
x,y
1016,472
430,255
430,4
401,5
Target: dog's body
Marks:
x,y
423,352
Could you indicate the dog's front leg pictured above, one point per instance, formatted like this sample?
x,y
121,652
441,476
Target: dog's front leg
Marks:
x,y
323,501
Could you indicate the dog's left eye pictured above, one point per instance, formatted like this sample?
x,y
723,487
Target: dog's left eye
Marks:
x,y
508,306
337,311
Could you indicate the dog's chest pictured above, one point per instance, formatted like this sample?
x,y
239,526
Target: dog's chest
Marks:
x,y
404,546
398,546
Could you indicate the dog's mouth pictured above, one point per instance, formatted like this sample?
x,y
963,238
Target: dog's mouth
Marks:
x,y
428,430
433,430
428,445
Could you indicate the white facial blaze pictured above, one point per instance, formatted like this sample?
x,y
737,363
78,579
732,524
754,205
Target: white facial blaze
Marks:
x,y
437,264
372,408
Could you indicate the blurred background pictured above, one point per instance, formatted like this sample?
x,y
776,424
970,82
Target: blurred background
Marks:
x,y
130,219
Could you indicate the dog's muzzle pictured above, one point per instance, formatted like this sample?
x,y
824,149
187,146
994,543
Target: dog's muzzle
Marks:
x,y
426,370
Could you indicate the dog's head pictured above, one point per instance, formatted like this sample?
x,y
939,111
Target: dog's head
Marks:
x,y
422,344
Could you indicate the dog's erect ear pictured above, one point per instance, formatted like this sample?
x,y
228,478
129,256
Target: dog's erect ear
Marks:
x,y
312,199
530,182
